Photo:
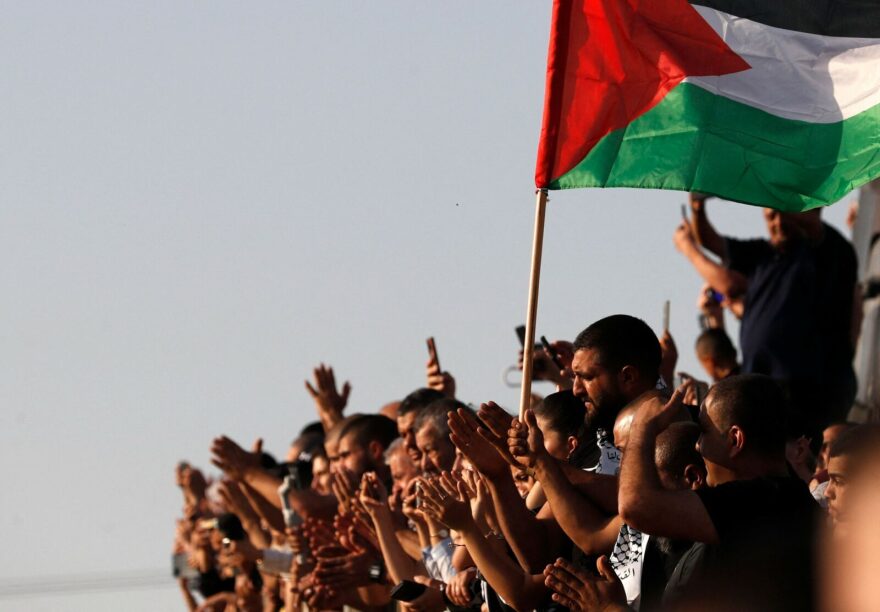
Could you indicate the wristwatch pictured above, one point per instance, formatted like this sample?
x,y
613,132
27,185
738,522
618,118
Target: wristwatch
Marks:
x,y
441,533
377,573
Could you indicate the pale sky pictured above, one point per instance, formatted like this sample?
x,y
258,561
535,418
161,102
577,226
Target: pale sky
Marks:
x,y
201,201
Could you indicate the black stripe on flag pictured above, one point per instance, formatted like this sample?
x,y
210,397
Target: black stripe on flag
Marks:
x,y
855,18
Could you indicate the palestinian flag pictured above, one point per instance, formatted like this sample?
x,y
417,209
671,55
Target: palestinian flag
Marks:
x,y
768,102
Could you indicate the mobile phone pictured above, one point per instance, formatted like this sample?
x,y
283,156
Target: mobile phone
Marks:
x,y
419,492
521,334
291,518
407,590
684,214
432,351
666,316
537,366
714,295
552,353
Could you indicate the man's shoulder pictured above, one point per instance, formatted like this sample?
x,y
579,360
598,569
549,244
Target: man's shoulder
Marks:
x,y
747,243
743,506
835,242
785,491
746,254
784,484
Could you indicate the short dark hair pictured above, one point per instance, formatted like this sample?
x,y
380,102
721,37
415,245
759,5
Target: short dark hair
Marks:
x,y
677,448
563,412
857,442
334,434
365,428
230,526
418,399
716,343
313,428
757,404
437,414
622,340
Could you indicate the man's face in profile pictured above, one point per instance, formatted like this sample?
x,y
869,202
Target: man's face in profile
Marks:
x,y
438,453
596,386
835,493
321,475
353,456
829,435
406,431
403,470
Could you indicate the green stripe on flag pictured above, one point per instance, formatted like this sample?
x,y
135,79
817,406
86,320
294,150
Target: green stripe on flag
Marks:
x,y
694,140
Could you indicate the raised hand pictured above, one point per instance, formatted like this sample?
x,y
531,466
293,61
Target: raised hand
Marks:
x,y
482,506
684,238
340,568
344,486
694,390
320,597
437,378
711,308
318,532
372,494
361,537
233,459
411,508
525,440
478,450
656,412
577,590
233,498
668,356
497,422
329,402
445,500
458,588
544,368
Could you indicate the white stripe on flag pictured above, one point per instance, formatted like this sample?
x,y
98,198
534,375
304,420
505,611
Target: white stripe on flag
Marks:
x,y
819,79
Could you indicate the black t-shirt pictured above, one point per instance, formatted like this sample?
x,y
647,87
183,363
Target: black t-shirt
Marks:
x,y
764,557
210,583
661,559
798,307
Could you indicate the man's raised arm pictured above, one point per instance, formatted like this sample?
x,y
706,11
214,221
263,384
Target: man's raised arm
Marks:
x,y
643,502
705,232
728,282
580,517
533,541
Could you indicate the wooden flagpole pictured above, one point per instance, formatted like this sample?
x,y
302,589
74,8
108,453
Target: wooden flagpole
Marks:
x,y
525,399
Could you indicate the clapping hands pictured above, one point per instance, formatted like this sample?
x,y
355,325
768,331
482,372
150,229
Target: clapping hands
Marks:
x,y
526,442
233,459
445,500
578,591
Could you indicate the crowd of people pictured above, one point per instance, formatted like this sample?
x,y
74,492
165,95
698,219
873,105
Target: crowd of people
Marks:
x,y
631,487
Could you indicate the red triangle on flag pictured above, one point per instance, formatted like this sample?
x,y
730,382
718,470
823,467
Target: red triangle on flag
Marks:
x,y
609,62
